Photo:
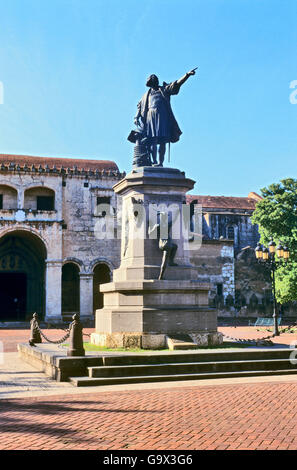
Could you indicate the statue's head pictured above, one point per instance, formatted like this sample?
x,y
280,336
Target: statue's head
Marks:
x,y
152,81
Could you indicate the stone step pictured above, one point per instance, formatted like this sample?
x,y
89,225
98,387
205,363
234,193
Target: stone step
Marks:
x,y
189,368
176,342
205,356
182,345
92,381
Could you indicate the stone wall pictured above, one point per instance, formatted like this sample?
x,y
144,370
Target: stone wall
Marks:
x,y
83,239
218,225
71,232
241,287
253,292
215,263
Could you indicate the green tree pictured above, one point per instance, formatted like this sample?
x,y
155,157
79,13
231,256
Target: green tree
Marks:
x,y
276,217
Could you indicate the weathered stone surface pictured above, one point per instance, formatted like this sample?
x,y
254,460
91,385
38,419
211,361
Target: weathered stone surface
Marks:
x,y
153,341
129,340
253,285
215,263
201,339
215,338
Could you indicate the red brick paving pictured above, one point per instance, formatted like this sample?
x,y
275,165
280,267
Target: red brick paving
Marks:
x,y
241,416
233,417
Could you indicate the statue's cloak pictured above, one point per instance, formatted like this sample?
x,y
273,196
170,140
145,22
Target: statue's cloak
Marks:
x,y
166,91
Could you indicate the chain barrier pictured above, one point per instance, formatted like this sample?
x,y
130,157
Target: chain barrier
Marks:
x,y
60,341
74,332
264,340
288,327
53,327
257,341
64,329
260,341
35,327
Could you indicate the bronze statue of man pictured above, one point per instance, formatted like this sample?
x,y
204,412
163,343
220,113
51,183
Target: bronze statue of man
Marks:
x,y
158,123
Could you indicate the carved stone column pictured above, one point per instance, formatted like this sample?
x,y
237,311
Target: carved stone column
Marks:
x,y
86,296
21,198
53,290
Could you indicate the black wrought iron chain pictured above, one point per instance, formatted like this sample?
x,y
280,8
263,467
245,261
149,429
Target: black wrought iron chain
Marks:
x,y
265,339
63,329
60,341
288,327
247,340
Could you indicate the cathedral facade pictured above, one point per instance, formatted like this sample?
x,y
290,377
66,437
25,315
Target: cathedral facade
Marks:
x,y
52,258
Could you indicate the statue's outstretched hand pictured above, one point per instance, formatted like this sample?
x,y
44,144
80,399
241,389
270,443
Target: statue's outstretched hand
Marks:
x,y
192,72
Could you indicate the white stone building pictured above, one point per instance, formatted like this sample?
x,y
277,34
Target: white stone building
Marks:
x,y
52,257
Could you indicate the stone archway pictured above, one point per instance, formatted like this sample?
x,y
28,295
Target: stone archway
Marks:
x,y
102,275
22,276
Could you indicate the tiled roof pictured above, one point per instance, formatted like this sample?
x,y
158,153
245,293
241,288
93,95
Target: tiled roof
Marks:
x,y
223,202
58,163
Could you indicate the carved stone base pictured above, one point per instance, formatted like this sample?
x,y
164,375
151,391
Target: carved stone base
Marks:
x,y
150,341
129,340
155,307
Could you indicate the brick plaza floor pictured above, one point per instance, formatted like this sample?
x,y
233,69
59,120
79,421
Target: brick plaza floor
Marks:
x,y
259,414
253,416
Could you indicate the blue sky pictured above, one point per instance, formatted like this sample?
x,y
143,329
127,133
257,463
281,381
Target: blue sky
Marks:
x,y
74,70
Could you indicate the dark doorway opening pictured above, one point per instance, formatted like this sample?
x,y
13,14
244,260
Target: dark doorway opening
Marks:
x,y
102,275
13,296
22,276
70,288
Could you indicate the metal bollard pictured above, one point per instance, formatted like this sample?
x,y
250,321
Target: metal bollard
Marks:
x,y
76,346
35,334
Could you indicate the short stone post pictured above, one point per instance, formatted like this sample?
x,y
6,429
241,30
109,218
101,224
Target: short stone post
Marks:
x,y
35,333
76,346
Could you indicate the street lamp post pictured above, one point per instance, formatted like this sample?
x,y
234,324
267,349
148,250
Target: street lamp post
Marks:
x,y
267,256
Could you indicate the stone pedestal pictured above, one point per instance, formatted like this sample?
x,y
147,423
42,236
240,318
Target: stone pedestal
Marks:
x,y
139,309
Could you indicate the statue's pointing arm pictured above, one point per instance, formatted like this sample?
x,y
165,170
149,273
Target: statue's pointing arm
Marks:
x,y
182,80
174,87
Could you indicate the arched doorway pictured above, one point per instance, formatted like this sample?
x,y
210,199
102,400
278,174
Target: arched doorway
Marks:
x,y
70,288
22,276
102,275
